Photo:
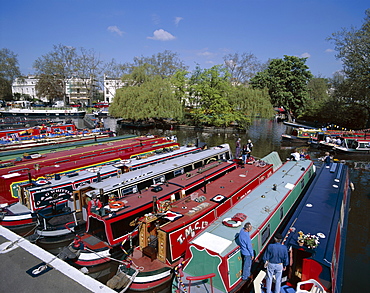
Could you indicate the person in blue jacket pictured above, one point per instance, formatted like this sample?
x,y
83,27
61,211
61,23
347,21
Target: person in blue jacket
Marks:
x,y
246,250
276,260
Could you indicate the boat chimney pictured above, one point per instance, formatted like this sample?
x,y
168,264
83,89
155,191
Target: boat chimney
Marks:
x,y
57,176
154,204
99,178
29,177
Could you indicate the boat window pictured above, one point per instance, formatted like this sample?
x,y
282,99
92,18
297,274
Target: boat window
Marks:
x,y
188,168
160,179
265,235
129,190
80,184
178,172
113,194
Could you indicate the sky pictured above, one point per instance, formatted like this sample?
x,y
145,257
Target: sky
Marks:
x,y
201,32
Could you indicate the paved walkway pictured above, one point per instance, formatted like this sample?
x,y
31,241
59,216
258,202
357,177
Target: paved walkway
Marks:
x,y
17,262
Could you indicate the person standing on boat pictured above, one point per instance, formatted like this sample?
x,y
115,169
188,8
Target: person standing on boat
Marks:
x,y
237,148
246,250
95,206
245,153
276,260
250,145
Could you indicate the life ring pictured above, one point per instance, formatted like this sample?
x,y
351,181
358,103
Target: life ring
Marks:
x,y
226,223
125,161
116,205
93,170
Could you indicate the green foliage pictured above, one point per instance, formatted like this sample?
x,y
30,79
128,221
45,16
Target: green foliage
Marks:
x,y
353,49
286,80
153,98
208,94
250,103
318,89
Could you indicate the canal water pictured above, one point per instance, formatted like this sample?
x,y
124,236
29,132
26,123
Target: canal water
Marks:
x,y
266,137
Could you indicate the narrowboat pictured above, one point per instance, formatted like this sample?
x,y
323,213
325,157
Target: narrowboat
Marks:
x,y
186,218
32,168
126,203
47,201
317,246
41,113
354,146
215,254
299,135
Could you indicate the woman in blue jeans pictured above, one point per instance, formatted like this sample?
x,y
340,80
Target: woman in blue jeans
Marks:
x,y
276,260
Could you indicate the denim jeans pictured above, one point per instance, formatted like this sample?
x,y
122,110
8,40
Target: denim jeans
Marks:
x,y
277,270
247,263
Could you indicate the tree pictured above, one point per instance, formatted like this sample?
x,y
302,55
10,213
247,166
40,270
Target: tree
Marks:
x,y
353,49
208,91
50,87
60,63
9,71
249,104
286,80
164,64
66,62
242,67
318,90
145,96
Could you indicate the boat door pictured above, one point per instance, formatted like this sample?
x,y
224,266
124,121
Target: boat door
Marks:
x,y
80,198
24,194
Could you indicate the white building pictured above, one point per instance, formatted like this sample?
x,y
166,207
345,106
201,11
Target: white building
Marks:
x,y
110,87
25,87
78,90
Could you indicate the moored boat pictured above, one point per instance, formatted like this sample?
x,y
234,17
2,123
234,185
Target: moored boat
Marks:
x,y
39,167
172,181
46,200
42,113
188,217
354,146
215,252
299,135
317,245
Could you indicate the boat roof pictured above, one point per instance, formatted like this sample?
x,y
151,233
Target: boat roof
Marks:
x,y
86,151
257,205
322,206
156,170
204,198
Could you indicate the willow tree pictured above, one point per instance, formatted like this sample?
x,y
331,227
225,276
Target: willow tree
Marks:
x,y
145,97
249,104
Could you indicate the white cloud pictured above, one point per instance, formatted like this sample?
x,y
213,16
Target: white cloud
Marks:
x,y
206,54
177,20
115,29
329,50
162,35
305,55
